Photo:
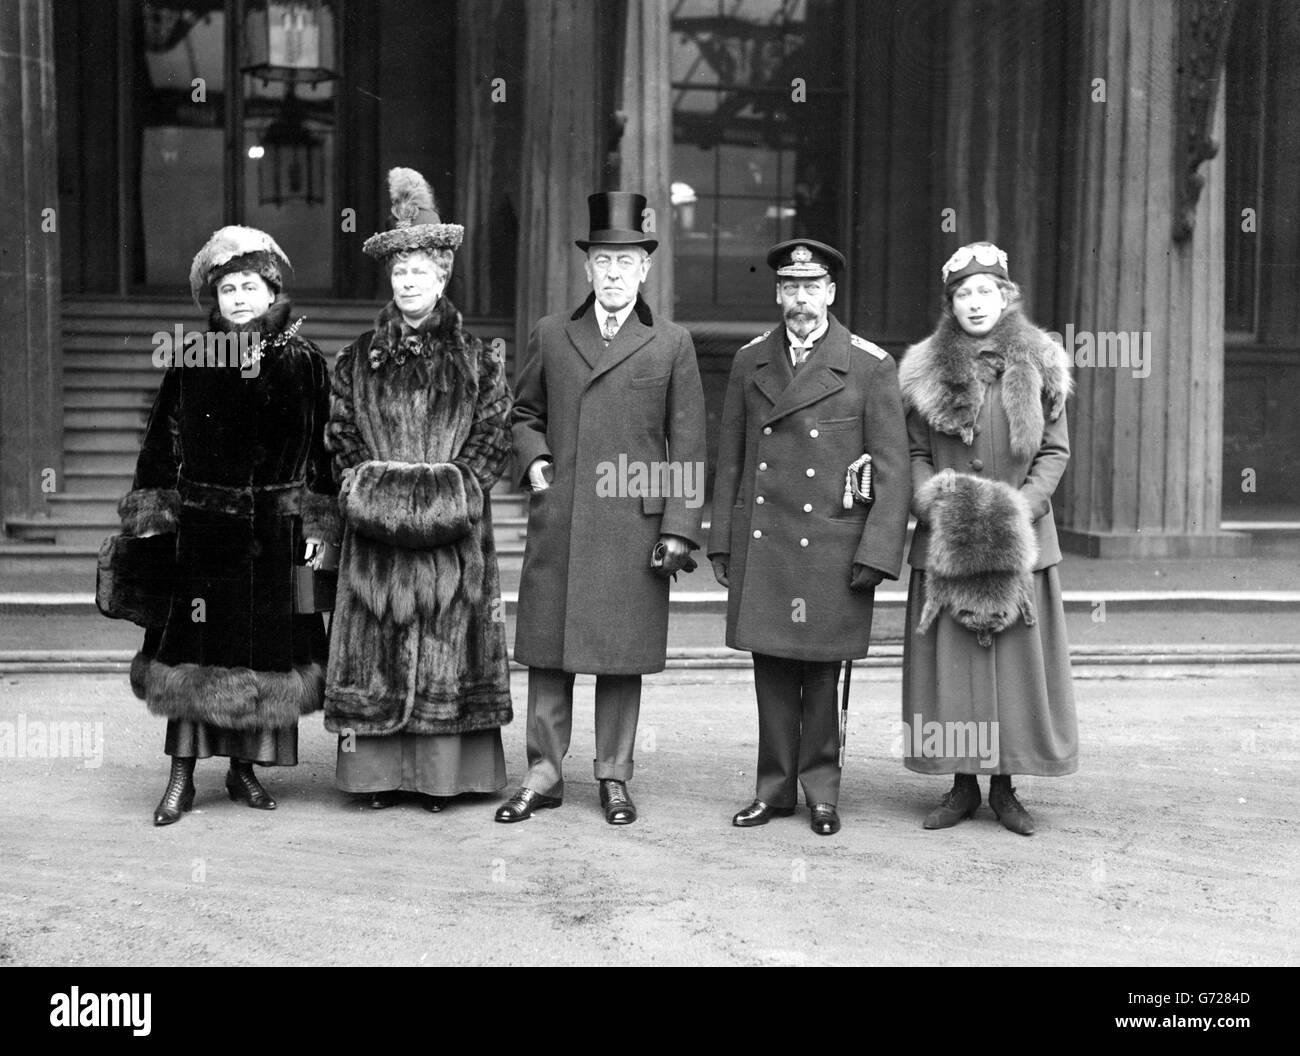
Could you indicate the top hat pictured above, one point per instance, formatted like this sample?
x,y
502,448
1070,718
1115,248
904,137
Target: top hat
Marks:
x,y
414,221
804,258
235,248
978,258
615,220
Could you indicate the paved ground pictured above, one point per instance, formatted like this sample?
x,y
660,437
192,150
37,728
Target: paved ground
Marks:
x,y
1176,843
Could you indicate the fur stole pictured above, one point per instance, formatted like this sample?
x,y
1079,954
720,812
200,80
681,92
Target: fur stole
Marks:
x,y
982,554
439,345
945,377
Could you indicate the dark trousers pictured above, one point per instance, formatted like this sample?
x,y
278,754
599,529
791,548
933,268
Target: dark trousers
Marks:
x,y
550,725
798,730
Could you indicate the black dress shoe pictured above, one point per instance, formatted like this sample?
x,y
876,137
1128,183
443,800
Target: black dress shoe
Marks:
x,y
825,820
244,787
179,796
521,805
958,802
617,804
759,813
383,800
434,804
1002,798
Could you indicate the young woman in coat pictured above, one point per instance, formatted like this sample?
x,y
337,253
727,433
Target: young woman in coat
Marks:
x,y
234,464
419,683
986,646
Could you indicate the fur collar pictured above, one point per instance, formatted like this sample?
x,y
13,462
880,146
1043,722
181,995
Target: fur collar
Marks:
x,y
270,324
944,378
439,345
641,309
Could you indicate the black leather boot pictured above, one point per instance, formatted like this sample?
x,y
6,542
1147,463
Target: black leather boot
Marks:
x,y
179,796
1002,799
242,785
958,803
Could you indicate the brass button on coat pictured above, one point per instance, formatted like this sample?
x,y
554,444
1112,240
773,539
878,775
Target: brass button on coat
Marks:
x,y
976,464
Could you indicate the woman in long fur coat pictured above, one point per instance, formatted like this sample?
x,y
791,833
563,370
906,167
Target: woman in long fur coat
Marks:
x,y
419,684
234,464
986,668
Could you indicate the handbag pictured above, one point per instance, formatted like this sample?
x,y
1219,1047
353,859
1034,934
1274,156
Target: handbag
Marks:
x,y
134,577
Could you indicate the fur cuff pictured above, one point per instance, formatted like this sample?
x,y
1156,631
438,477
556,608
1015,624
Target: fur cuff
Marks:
x,y
150,511
982,554
321,518
415,505
234,698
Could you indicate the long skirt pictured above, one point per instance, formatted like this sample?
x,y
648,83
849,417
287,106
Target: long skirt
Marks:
x,y
433,765
1005,709
200,740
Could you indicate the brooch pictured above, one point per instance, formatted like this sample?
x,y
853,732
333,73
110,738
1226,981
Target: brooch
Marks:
x,y
255,354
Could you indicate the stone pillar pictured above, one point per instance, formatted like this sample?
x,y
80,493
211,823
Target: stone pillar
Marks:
x,y
562,154
31,366
647,145
1143,285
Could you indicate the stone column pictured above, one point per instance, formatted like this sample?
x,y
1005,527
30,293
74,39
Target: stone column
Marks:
x,y
1143,284
31,366
562,153
647,145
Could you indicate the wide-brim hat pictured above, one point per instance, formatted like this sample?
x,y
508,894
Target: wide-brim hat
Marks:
x,y
977,258
235,248
615,219
414,221
805,258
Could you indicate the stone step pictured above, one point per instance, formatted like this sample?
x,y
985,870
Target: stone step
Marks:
x,y
94,419
82,480
107,399
104,441
139,381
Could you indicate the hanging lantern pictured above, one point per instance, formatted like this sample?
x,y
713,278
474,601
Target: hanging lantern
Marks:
x,y
292,165
290,42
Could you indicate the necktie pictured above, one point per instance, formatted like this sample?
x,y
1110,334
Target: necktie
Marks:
x,y
610,329
801,353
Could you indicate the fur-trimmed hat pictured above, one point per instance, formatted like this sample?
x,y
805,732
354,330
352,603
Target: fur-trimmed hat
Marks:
x,y
415,222
977,258
236,248
982,554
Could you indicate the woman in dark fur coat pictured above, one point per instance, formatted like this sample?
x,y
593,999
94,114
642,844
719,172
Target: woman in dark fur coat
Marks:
x,y
234,464
419,683
986,668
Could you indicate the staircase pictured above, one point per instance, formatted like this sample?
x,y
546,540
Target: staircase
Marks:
x,y
109,383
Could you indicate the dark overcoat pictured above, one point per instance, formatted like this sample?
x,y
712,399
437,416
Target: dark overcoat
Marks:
x,y
785,445
235,466
588,600
420,431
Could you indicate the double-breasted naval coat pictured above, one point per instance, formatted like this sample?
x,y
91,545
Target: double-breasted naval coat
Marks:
x,y
607,417
785,445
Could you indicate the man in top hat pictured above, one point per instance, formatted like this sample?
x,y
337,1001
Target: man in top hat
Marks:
x,y
607,395
805,401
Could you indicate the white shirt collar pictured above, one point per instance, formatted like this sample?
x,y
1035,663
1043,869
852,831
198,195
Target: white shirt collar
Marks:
x,y
812,338
620,317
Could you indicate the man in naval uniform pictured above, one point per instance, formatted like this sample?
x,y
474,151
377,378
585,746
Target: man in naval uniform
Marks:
x,y
805,401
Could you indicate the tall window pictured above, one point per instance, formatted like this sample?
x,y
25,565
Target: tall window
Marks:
x,y
263,155
760,139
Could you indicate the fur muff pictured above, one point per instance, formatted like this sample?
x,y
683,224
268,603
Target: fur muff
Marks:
x,y
982,554
234,698
945,378
149,511
413,504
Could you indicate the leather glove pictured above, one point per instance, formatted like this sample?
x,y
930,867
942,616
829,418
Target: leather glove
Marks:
x,y
676,557
865,578
721,565
537,474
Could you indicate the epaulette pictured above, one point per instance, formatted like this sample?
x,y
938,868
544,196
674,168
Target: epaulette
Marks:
x,y
765,334
867,346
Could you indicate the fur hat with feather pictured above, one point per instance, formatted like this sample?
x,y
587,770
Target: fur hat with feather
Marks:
x,y
235,248
415,221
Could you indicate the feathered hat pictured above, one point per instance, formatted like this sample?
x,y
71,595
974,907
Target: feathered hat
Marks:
x,y
415,222
236,248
